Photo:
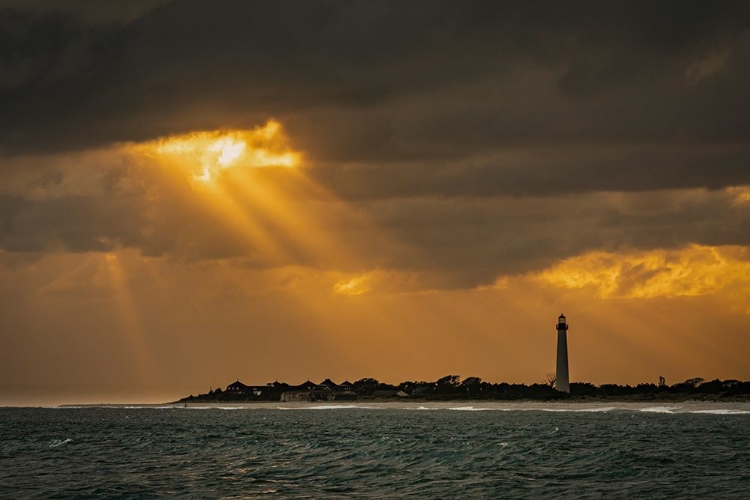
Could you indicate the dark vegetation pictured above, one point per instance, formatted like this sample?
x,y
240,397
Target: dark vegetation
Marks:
x,y
451,387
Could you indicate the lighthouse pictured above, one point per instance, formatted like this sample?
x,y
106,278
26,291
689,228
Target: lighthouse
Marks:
x,y
562,379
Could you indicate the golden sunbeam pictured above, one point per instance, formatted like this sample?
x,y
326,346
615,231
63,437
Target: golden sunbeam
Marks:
x,y
243,222
129,318
204,156
290,221
277,215
271,212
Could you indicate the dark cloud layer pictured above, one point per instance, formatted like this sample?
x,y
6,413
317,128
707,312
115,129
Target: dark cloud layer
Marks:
x,y
459,129
382,81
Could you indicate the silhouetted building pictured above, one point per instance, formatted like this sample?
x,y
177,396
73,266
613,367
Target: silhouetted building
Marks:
x,y
238,388
305,386
328,385
327,390
562,379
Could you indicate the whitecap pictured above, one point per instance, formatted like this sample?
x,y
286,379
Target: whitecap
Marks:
x,y
144,407
59,442
334,407
722,411
603,409
660,409
469,408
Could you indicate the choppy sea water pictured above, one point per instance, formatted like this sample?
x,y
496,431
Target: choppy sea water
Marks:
x,y
473,450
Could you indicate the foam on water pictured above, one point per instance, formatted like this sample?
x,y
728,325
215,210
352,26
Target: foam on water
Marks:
x,y
661,409
60,442
143,407
722,411
335,407
603,409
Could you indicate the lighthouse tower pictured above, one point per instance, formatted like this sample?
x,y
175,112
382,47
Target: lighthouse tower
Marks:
x,y
562,379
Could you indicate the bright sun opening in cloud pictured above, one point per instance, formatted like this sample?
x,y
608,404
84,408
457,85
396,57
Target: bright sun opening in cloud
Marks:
x,y
207,153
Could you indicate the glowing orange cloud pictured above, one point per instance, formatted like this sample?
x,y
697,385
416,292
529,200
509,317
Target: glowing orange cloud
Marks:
x,y
690,271
206,153
354,286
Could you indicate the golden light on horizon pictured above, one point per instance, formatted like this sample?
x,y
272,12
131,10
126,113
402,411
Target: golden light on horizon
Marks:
x,y
206,153
687,272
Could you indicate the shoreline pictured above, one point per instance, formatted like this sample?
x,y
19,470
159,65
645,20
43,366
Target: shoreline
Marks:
x,y
436,405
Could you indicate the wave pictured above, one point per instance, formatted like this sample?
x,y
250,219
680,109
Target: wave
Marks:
x,y
660,409
60,442
142,407
325,407
722,411
336,407
604,409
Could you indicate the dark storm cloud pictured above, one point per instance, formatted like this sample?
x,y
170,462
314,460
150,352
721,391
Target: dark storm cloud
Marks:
x,y
88,11
544,173
380,82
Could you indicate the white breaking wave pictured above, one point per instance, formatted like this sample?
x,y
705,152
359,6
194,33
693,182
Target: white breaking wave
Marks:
x,y
58,442
144,407
661,409
604,409
722,412
470,408
335,407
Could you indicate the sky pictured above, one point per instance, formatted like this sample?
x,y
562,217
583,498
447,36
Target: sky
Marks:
x,y
196,192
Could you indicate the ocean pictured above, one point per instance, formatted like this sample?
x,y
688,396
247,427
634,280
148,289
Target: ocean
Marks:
x,y
428,450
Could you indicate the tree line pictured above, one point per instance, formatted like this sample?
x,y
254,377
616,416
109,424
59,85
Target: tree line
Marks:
x,y
452,387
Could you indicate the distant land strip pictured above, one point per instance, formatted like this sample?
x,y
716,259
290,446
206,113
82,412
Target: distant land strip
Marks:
x,y
451,387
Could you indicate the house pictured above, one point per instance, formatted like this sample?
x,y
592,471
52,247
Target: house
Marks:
x,y
328,385
327,390
238,388
305,386
346,386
